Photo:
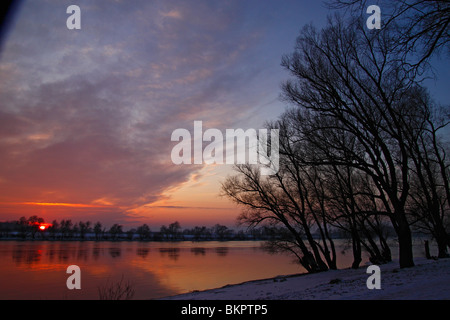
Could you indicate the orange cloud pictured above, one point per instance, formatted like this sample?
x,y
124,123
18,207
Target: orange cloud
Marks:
x,y
73,205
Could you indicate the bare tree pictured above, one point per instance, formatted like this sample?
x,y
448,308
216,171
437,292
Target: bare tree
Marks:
x,y
144,232
174,230
33,223
54,228
65,228
352,207
115,231
84,227
201,233
221,231
293,198
98,230
349,78
269,200
421,28
430,196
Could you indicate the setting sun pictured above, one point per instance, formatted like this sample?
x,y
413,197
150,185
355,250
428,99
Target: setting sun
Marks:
x,y
44,226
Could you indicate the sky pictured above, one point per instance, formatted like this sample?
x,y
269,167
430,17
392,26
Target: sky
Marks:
x,y
86,116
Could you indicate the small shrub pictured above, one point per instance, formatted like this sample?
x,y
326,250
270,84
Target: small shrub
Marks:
x,y
120,290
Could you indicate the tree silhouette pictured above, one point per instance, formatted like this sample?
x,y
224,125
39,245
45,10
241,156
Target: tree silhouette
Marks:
x,y
98,230
421,28
115,231
350,149
347,77
143,232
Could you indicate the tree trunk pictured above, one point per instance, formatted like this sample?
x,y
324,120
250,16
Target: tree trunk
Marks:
x,y
308,260
356,246
385,250
406,259
442,247
427,250
441,238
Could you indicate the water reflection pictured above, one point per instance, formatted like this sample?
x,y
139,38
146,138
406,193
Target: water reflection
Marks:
x,y
96,252
37,269
198,251
143,252
64,253
26,256
82,254
115,252
221,251
172,253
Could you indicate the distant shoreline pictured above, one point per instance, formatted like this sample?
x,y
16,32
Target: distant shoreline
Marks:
x,y
185,239
127,240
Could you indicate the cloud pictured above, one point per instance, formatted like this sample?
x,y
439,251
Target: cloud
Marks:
x,y
75,137
52,204
86,116
175,14
187,207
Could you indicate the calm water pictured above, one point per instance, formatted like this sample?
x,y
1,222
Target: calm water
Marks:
x,y
37,270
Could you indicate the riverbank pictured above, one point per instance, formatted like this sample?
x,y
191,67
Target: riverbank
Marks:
x,y
428,280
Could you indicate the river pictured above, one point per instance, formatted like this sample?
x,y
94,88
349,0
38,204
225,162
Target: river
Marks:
x,y
37,269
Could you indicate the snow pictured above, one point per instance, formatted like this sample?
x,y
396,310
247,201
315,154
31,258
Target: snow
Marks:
x,y
427,280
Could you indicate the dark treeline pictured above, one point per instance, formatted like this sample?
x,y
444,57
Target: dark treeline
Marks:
x,y
361,147
28,229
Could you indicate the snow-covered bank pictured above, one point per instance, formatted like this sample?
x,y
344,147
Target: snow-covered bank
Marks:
x,y
428,280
